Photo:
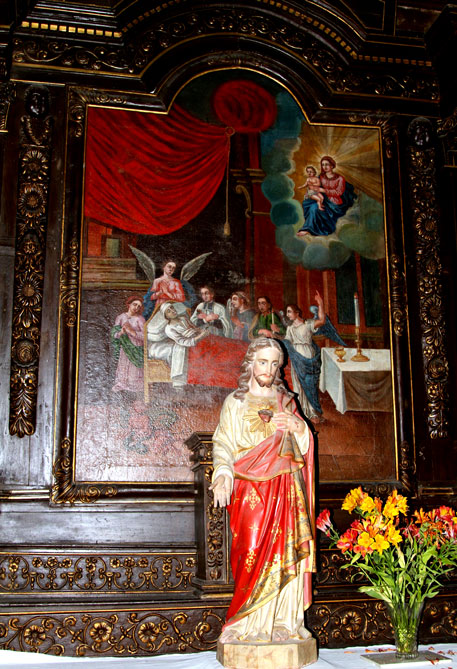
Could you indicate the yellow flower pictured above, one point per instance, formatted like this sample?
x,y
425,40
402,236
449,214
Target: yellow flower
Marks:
x,y
365,540
380,543
390,509
367,504
393,535
352,499
402,504
395,504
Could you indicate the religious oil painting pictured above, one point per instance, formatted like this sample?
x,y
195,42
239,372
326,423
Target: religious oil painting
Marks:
x,y
228,218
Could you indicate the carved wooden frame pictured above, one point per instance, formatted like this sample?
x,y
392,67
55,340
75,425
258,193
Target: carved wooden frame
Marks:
x,y
65,489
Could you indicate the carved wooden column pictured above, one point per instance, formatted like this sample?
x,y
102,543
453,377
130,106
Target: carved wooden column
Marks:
x,y
213,576
31,224
425,209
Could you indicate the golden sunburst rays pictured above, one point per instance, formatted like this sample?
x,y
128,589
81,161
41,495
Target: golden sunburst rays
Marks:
x,y
256,424
355,151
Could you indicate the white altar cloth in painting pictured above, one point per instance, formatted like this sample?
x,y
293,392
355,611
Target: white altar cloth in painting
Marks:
x,y
357,386
334,658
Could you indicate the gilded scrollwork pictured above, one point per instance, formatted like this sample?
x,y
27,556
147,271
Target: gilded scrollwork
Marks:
x,y
79,99
65,490
389,132
378,489
32,200
331,573
407,467
446,130
7,95
398,294
69,275
442,618
292,32
215,532
120,633
33,573
61,52
422,161
350,623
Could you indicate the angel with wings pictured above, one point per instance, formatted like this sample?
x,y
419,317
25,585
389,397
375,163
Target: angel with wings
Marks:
x,y
167,288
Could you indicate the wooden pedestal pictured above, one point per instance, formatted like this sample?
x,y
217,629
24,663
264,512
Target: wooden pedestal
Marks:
x,y
291,654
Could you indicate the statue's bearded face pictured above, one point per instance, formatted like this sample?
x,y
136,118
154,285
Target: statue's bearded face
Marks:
x,y
266,366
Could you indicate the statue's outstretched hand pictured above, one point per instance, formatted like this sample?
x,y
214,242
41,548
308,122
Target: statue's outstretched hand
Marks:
x,y
222,489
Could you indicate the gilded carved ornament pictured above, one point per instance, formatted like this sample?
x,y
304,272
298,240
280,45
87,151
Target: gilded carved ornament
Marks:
x,y
32,198
7,95
86,573
69,277
422,185
65,490
297,33
121,633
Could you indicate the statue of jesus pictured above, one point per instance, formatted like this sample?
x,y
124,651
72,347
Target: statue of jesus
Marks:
x,y
263,473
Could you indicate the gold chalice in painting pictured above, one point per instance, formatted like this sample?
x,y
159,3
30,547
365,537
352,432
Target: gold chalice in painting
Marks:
x,y
340,353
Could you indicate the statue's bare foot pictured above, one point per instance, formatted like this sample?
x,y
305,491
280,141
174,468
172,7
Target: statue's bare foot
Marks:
x,y
280,634
303,233
227,636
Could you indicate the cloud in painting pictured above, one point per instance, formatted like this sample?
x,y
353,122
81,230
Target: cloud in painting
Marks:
x,y
361,229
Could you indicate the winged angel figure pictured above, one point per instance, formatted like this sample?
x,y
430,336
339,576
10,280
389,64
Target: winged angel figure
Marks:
x,y
166,288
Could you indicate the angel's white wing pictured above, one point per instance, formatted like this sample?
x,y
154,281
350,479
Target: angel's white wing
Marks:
x,y
192,267
145,262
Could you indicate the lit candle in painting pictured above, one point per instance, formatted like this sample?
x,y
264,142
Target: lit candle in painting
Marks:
x,y
356,310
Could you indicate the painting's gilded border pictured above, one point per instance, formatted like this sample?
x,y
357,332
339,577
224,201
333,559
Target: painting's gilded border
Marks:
x,y
65,489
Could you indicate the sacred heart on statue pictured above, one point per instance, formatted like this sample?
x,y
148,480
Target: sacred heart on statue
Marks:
x,y
266,415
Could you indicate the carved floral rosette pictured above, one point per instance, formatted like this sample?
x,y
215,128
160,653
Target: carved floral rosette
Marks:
x,y
38,573
31,214
425,211
117,632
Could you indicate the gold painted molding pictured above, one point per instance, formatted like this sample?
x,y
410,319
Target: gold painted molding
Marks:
x,y
115,631
50,572
65,490
311,40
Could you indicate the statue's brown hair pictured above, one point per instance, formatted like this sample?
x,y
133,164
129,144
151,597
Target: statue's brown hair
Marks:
x,y
246,367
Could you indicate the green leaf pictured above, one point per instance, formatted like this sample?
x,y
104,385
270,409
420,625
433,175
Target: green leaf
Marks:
x,y
373,592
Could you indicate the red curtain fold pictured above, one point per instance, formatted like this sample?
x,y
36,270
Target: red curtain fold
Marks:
x,y
148,173
153,173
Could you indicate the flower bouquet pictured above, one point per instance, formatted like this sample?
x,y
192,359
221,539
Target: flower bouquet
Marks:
x,y
404,560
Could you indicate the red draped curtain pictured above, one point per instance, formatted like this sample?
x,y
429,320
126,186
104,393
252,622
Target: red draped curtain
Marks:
x,y
150,173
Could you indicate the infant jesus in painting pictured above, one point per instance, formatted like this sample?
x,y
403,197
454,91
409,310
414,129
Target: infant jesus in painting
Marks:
x,y
314,186
263,473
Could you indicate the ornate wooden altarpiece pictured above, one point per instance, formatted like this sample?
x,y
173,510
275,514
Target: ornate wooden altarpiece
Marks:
x,y
118,568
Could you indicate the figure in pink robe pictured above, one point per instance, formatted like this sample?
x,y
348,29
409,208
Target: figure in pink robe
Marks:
x,y
127,337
